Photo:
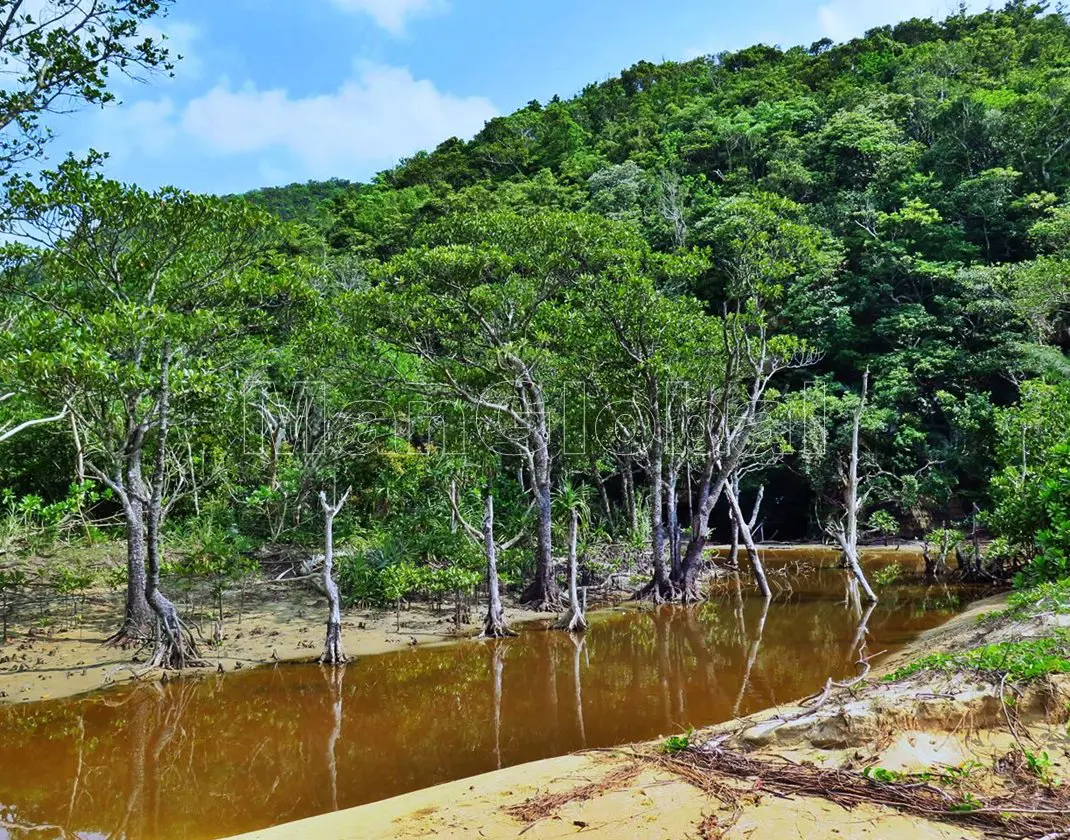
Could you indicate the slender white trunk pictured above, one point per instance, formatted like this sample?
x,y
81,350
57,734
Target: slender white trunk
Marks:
x,y
574,621
848,535
748,541
494,626
333,652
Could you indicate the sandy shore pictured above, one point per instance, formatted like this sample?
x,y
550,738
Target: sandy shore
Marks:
x,y
282,623
654,804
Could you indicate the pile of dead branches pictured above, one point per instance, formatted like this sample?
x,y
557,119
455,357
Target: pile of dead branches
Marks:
x,y
1026,809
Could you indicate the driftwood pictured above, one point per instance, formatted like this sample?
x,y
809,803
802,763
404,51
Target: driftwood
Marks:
x,y
1027,809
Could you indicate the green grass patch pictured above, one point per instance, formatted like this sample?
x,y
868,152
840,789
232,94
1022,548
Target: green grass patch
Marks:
x,y
1022,660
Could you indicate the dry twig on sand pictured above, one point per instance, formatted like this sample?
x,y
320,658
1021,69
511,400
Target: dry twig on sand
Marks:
x,y
548,804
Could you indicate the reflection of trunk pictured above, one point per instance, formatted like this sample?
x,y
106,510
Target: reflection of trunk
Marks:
x,y
748,538
172,708
741,623
574,620
693,629
335,683
752,657
498,663
551,683
77,773
851,599
333,652
578,642
132,824
661,643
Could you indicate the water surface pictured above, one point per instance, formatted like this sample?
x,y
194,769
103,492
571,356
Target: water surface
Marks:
x,y
219,756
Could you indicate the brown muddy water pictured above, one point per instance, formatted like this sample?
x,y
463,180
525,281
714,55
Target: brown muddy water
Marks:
x,y
228,754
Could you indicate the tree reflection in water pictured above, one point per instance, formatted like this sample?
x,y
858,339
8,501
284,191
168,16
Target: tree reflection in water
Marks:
x,y
202,758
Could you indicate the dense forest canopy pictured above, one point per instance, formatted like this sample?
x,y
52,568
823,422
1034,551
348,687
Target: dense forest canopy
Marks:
x,y
914,182
778,272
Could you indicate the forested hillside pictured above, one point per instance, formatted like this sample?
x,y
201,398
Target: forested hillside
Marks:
x,y
833,280
915,182
911,186
304,202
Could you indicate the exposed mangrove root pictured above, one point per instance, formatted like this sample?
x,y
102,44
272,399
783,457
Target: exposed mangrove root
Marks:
x,y
136,673
536,599
1027,809
126,637
333,652
658,592
175,647
546,805
495,625
572,621
815,702
692,595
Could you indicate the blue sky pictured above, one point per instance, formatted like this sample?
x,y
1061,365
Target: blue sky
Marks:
x,y
275,91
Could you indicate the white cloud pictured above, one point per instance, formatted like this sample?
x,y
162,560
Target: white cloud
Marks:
x,y
391,15
145,128
379,115
842,20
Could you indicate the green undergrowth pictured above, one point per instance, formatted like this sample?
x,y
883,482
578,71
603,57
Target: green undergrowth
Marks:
x,y
677,743
1050,597
952,775
1019,660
